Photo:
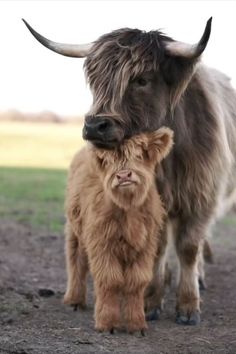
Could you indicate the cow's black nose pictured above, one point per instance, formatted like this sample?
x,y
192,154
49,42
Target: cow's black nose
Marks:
x,y
96,127
103,131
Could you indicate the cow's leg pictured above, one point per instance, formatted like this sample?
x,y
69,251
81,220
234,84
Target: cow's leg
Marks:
x,y
205,255
189,241
77,269
154,294
228,203
201,271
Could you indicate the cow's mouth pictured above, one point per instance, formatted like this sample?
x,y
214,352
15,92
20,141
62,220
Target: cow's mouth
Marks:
x,y
102,132
109,144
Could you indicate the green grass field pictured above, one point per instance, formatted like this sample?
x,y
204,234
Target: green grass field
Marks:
x,y
34,158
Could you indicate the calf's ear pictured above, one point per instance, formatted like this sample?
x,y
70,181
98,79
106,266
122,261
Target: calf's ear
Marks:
x,y
159,144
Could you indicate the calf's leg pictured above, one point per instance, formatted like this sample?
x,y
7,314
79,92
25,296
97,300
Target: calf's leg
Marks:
x,y
108,280
107,308
77,270
134,311
137,277
154,294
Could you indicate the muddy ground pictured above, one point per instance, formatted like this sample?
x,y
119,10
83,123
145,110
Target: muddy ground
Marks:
x,y
31,322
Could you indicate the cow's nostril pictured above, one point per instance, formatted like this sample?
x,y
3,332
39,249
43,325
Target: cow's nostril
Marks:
x,y
129,174
103,126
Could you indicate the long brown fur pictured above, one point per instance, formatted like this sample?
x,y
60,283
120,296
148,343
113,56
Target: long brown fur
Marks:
x,y
141,81
139,86
114,230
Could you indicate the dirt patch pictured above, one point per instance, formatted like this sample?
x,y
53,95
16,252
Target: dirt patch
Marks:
x,y
33,319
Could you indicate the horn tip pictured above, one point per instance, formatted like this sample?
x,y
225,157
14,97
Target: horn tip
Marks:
x,y
209,22
26,23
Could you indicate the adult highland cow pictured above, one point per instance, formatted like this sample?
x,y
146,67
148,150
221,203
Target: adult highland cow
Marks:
x,y
141,81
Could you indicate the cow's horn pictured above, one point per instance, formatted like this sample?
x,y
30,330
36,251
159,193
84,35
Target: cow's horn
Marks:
x,y
181,49
69,50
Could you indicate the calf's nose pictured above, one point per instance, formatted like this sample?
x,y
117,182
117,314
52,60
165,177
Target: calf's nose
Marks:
x,y
124,175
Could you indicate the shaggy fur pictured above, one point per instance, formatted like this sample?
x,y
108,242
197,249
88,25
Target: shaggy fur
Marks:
x,y
113,227
139,86
141,81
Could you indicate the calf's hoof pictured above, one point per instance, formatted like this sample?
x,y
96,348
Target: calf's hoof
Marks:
x,y
74,303
190,319
137,328
105,328
142,331
153,315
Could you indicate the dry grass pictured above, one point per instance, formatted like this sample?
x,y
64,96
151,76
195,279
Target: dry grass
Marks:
x,y
38,145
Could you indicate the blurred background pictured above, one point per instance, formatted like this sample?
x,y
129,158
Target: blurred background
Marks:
x,y
43,96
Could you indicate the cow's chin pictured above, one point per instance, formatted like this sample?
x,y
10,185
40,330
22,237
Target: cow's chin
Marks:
x,y
108,145
112,139
128,195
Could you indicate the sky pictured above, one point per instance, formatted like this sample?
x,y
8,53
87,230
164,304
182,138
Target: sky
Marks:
x,y
34,79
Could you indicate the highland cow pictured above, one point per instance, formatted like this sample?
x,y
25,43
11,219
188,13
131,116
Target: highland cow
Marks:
x,y
114,217
141,81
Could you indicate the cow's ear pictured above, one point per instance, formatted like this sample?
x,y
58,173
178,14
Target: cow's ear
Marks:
x,y
159,144
180,61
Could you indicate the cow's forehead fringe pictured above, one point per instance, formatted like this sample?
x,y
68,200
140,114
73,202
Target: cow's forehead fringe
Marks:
x,y
117,58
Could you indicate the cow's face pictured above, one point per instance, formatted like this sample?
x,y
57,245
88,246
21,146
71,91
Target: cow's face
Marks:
x,y
127,172
142,108
136,78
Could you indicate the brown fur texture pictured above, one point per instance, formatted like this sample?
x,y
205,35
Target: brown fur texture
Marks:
x,y
113,227
141,81
139,86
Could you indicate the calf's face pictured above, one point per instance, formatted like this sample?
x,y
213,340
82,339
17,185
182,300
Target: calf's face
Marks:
x,y
127,172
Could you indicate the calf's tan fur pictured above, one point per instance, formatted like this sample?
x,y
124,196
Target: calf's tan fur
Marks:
x,y
113,227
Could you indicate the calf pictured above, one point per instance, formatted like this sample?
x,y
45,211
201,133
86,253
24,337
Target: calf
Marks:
x,y
114,217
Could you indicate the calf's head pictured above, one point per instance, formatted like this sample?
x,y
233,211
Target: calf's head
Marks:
x,y
127,172
136,79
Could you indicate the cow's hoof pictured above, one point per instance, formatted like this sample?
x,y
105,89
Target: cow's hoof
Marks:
x,y
153,315
202,284
192,319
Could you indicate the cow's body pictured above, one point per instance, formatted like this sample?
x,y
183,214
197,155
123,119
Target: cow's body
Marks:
x,y
198,181
200,173
141,81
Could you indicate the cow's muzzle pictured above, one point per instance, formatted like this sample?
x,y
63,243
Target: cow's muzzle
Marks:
x,y
102,131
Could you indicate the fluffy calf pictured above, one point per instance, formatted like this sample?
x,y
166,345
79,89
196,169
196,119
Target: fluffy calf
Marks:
x,y
114,215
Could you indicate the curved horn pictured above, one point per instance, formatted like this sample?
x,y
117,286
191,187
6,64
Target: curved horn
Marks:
x,y
69,50
189,51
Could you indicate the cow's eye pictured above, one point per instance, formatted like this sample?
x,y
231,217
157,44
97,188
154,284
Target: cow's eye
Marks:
x,y
142,82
